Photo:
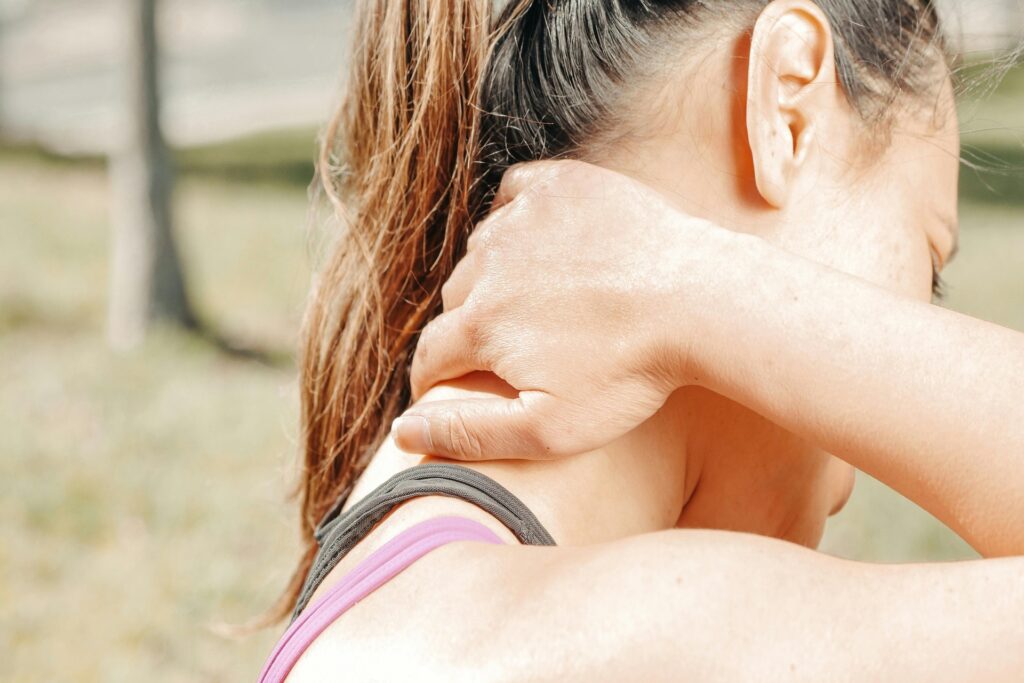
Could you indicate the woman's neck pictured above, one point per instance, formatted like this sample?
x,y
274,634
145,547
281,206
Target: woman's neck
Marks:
x,y
634,485
700,461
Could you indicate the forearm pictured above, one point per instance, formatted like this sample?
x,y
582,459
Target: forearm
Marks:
x,y
927,400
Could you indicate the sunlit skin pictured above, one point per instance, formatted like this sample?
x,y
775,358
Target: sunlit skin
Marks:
x,y
760,140
879,212
875,213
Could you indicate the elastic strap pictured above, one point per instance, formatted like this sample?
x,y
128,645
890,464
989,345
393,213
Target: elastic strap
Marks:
x,y
339,532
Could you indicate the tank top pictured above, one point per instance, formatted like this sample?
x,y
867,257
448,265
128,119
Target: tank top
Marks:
x,y
338,532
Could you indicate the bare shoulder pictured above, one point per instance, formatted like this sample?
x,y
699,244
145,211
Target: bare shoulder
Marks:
x,y
482,612
704,605
431,622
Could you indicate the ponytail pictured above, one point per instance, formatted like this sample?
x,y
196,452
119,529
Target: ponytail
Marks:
x,y
398,164
436,108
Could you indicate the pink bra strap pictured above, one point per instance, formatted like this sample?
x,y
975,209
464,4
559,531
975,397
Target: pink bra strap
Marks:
x,y
380,567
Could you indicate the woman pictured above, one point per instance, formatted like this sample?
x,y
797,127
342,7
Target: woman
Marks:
x,y
826,129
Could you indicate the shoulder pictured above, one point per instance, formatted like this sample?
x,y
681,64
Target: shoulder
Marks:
x,y
605,612
704,605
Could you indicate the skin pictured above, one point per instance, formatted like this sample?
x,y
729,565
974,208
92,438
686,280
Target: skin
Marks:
x,y
911,414
782,154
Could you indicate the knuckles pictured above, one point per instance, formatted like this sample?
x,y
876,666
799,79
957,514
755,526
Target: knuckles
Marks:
x,y
541,194
446,295
473,324
461,439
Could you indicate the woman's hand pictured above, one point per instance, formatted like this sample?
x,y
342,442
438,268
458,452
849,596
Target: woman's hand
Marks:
x,y
570,293
594,299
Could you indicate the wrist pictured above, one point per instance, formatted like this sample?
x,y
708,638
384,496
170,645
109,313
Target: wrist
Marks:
x,y
711,282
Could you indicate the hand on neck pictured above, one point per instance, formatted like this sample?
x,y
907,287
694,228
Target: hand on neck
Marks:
x,y
700,461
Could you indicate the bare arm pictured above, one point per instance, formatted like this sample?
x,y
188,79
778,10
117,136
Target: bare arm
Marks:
x,y
927,400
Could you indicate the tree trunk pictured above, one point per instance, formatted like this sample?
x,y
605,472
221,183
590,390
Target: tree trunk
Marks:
x,y
146,278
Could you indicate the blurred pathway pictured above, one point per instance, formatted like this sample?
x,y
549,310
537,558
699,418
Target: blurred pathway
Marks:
x,y
231,67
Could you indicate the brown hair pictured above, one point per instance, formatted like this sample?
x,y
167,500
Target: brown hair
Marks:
x,y
397,165
437,106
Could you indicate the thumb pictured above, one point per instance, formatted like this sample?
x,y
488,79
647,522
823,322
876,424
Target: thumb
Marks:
x,y
522,176
474,429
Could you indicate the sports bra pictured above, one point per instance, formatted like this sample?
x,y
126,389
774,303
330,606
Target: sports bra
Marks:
x,y
339,532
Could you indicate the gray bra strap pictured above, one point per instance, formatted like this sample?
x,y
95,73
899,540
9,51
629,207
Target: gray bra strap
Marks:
x,y
339,532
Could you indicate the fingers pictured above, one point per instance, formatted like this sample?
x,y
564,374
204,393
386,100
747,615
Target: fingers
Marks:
x,y
445,351
485,226
521,177
475,429
476,236
515,181
460,283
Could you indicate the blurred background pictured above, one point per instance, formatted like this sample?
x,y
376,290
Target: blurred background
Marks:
x,y
155,253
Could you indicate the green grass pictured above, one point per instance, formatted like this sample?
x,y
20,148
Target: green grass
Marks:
x,y
283,156
144,494
992,130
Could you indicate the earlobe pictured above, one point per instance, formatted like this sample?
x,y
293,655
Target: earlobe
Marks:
x,y
791,58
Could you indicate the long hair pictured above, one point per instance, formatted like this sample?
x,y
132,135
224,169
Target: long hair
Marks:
x,y
397,164
440,100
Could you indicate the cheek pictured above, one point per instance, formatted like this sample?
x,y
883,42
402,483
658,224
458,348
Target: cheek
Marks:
x,y
879,243
887,246
900,260
915,185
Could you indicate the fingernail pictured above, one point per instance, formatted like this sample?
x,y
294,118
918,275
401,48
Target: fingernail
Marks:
x,y
412,433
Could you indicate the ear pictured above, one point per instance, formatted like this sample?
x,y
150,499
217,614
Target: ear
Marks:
x,y
791,79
